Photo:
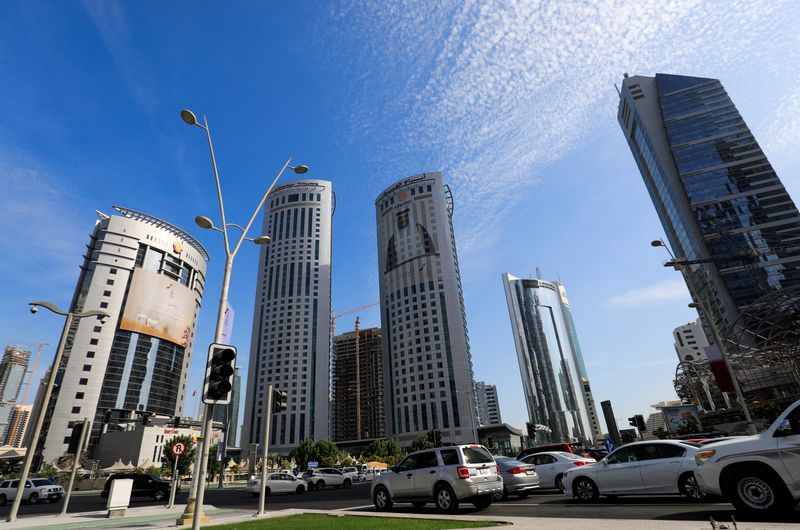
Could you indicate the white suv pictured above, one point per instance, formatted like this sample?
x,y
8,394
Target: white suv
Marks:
x,y
758,473
444,475
326,476
36,489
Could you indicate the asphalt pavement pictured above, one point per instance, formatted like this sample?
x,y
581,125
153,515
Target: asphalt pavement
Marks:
x,y
546,503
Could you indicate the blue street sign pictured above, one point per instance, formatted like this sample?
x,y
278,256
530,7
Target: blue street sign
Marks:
x,y
609,444
313,464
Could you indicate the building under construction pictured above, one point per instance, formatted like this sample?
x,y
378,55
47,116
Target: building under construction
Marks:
x,y
358,407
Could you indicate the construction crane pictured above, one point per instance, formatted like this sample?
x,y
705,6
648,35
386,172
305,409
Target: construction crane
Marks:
x,y
348,312
33,370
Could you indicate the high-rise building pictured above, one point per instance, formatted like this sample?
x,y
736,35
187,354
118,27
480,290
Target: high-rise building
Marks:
x,y
358,400
721,204
488,404
228,415
149,276
427,364
554,377
12,372
290,344
690,341
17,426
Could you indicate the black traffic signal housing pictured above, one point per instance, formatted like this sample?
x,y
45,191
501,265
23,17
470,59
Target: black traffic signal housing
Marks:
x,y
280,400
632,421
640,424
74,439
176,422
145,418
435,437
218,383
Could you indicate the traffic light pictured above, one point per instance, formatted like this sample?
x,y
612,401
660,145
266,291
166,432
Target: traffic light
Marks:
x,y
145,418
632,421
75,438
107,416
218,382
176,422
279,400
640,424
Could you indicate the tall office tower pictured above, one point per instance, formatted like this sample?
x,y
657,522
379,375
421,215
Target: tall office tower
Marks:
x,y
358,400
12,372
488,404
550,361
149,276
428,377
721,204
690,341
228,415
290,344
17,425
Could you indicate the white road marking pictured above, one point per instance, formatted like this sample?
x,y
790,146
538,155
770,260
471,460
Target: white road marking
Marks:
x,y
356,508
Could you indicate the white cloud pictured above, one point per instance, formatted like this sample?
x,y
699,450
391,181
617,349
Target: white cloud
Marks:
x,y
652,294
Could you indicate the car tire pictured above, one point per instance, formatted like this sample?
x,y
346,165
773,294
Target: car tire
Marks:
x,y
54,499
254,494
483,502
34,498
688,486
523,494
347,483
418,504
756,491
300,490
310,486
381,499
159,495
585,490
445,499
267,491
320,484
500,495
3,500
559,483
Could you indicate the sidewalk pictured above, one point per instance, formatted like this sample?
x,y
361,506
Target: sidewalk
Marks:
x,y
156,518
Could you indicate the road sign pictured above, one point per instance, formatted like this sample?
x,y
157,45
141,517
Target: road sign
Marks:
x,y
313,464
609,444
178,448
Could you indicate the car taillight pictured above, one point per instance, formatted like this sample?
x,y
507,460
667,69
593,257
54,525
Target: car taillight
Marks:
x,y
580,463
516,471
497,468
463,472
701,457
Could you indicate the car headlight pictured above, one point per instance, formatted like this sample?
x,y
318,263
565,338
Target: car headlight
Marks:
x,y
701,457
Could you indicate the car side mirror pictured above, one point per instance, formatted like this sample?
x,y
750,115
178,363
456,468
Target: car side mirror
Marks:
x,y
784,429
393,469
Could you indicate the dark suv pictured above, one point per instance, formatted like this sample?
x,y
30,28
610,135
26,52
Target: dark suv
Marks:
x,y
143,486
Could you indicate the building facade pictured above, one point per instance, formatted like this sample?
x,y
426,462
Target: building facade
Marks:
x,y
690,342
290,344
12,375
358,400
554,378
18,426
488,404
720,202
428,376
149,276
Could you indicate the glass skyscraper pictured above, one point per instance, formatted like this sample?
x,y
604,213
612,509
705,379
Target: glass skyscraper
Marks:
x,y
718,198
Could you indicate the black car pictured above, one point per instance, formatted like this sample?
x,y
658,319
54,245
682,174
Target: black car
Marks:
x,y
143,486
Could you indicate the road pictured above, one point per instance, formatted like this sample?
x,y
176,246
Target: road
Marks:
x,y
541,504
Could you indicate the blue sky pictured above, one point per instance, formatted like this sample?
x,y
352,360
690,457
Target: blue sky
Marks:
x,y
513,101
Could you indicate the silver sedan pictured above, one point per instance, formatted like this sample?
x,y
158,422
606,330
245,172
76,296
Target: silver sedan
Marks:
x,y
519,478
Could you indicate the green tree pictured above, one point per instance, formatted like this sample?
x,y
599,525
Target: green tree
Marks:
x,y
421,442
304,453
213,464
327,453
184,461
347,460
47,470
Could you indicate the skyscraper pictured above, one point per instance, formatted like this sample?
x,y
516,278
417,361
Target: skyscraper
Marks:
x,y
17,426
488,404
427,364
550,361
690,341
358,401
720,202
290,344
149,276
12,373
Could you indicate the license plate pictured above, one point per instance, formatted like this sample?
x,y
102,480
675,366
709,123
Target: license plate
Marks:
x,y
485,471
530,472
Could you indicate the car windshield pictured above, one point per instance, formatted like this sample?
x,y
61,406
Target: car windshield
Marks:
x,y
475,454
41,482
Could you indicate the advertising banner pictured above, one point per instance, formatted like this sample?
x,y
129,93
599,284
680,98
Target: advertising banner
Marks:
x,y
721,374
676,417
159,306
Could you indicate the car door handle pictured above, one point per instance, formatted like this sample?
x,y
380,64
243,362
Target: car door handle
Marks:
x,y
410,475
432,471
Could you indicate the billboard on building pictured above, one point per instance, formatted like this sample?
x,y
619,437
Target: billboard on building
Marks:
x,y
676,417
159,306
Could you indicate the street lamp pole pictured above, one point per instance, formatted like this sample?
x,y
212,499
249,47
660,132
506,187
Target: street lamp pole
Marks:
x,y
51,380
204,222
703,306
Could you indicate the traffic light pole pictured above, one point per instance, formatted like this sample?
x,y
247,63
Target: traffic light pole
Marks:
x,y
265,453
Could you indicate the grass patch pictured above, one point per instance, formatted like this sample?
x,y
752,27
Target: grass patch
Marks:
x,y
328,522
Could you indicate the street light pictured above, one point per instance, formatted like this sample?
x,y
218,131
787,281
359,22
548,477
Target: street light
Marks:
x,y
195,504
680,264
37,429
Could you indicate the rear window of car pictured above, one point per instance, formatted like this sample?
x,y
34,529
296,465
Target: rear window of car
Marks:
x,y
41,482
476,455
508,463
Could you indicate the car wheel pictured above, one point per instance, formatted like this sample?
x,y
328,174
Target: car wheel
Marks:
x,y
33,499
560,483
483,502
381,499
267,491
159,495
311,486
689,487
300,490
254,494
756,491
3,500
523,494
418,504
585,490
55,499
446,500
500,495
347,483
320,484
